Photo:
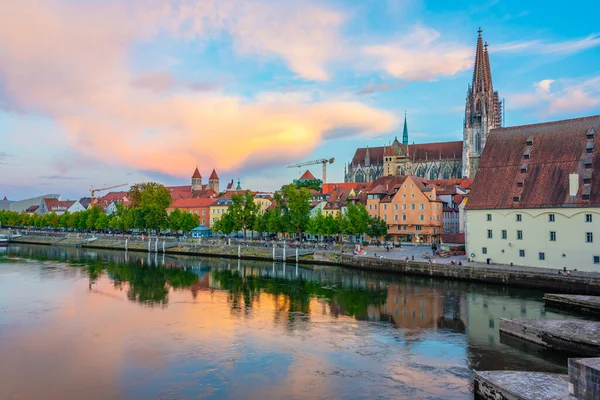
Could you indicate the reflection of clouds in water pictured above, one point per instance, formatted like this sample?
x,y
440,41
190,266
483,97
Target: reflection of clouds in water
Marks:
x,y
243,335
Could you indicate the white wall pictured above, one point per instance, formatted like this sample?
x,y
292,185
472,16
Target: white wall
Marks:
x,y
569,225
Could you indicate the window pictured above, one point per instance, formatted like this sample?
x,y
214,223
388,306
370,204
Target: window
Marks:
x,y
412,195
588,217
519,235
589,237
422,217
489,217
550,217
521,253
596,259
412,206
542,256
587,181
519,184
395,217
516,199
523,170
422,206
403,217
484,250
404,206
395,207
552,236
418,227
588,165
385,206
385,217
370,206
519,218
376,206
489,233
504,234
403,195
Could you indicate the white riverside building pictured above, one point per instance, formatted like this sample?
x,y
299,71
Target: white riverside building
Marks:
x,y
535,200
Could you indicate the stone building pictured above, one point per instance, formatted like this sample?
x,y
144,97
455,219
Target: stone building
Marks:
x,y
443,160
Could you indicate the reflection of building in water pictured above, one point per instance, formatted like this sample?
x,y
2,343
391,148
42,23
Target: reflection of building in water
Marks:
x,y
410,307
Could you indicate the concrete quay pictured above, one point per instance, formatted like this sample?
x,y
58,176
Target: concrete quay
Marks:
x,y
571,336
582,383
581,303
530,277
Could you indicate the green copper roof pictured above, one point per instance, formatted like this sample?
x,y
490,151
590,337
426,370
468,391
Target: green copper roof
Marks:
x,y
405,132
239,187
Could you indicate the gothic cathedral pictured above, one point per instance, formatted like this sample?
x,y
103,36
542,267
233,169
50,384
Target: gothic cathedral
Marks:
x,y
445,160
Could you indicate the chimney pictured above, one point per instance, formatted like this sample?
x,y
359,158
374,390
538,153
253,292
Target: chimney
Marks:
x,y
573,184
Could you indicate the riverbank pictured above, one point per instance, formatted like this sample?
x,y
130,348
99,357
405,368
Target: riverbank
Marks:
x,y
540,278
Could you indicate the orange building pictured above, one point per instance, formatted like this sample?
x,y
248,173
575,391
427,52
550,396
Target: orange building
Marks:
x,y
409,206
200,207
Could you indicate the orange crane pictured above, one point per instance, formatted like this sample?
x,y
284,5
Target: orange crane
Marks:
x,y
93,191
323,161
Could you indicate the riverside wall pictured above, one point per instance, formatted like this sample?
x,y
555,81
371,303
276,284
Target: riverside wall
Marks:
x,y
513,276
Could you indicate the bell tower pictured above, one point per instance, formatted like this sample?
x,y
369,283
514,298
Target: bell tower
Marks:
x,y
483,110
196,180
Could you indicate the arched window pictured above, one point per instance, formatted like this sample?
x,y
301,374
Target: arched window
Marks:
x,y
433,173
446,173
359,177
478,142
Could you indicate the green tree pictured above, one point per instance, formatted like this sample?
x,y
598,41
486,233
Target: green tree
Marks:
x,y
93,214
175,220
151,201
260,224
188,221
243,211
331,226
314,184
102,222
376,228
316,225
297,208
63,220
53,220
224,225
357,218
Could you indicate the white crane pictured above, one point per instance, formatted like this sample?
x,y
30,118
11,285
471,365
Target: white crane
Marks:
x,y
323,161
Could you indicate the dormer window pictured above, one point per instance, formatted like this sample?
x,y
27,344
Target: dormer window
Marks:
x,y
589,147
530,141
526,156
523,168
519,184
516,199
587,181
590,133
588,165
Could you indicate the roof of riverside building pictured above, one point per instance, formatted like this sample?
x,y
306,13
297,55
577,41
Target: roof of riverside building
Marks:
x,y
529,166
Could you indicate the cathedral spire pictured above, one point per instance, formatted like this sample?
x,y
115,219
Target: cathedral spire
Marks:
x,y
481,70
405,132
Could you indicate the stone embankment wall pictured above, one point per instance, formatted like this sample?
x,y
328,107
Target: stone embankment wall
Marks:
x,y
514,276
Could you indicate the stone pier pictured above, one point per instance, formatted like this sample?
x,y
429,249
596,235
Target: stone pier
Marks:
x,y
585,304
572,336
582,383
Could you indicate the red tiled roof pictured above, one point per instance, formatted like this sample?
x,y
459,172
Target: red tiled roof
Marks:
x,y
389,151
456,238
32,209
375,155
307,176
327,188
58,205
213,175
196,174
112,196
432,151
558,149
192,203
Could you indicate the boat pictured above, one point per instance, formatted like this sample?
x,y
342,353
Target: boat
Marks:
x,y
3,240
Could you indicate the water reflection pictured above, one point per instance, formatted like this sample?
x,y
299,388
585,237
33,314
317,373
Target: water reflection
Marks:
x,y
233,329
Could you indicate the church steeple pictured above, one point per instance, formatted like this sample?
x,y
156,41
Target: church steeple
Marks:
x,y
405,132
483,109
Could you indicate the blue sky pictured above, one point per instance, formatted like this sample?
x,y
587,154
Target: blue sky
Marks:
x,y
117,91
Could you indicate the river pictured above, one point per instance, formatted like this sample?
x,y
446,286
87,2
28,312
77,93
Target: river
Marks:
x,y
91,324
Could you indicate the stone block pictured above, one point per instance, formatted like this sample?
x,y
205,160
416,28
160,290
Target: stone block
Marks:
x,y
584,378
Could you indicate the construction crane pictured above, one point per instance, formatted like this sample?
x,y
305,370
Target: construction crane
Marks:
x,y
93,191
323,161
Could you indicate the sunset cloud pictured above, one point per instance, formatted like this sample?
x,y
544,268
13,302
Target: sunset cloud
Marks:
x,y
74,67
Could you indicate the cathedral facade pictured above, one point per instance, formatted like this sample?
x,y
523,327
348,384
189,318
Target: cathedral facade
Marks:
x,y
444,160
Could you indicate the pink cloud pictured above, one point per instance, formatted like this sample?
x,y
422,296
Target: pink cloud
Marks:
x,y
420,55
550,97
74,67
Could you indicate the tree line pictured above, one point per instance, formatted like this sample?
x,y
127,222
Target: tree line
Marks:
x,y
290,215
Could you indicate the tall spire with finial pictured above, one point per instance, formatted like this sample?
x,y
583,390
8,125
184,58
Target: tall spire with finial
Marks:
x,y
483,110
405,132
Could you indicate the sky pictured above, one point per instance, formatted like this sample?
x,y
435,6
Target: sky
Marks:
x,y
110,92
